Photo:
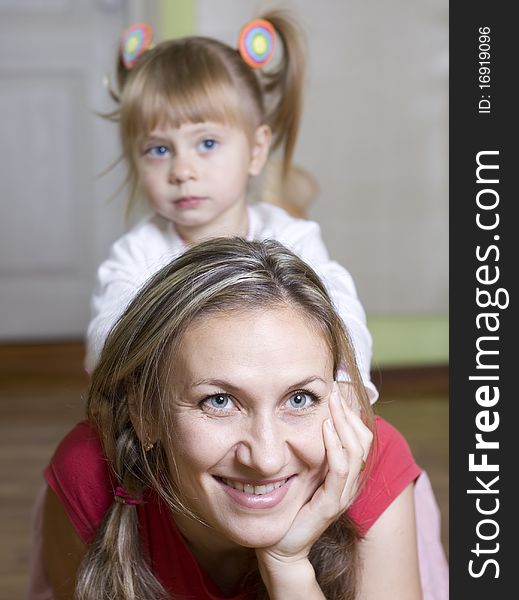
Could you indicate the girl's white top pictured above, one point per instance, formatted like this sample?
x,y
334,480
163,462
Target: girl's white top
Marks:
x,y
153,243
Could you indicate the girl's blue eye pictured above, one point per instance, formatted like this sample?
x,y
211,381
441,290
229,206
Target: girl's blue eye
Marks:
x,y
208,144
158,151
301,400
219,402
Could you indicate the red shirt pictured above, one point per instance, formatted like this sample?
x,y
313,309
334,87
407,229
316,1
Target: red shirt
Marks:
x,y
79,475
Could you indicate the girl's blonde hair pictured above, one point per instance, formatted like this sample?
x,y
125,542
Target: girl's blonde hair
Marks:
x,y
131,382
196,79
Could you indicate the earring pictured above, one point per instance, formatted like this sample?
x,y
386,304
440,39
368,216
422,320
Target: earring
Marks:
x,y
147,444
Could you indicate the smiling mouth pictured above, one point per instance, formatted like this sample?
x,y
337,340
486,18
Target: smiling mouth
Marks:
x,y
257,490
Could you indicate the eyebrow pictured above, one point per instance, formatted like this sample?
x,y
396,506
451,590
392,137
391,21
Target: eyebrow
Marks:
x,y
229,386
208,125
155,137
195,127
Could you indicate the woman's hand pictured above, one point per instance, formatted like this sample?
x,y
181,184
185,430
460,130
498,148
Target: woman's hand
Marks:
x,y
347,442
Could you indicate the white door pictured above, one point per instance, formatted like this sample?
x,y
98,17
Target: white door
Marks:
x,y
56,216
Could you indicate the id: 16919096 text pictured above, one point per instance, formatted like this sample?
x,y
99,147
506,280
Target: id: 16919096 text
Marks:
x,y
484,70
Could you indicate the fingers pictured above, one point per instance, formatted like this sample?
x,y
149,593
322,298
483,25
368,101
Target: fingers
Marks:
x,y
348,396
347,442
351,415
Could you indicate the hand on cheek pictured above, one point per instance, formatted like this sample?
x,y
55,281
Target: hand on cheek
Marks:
x,y
347,442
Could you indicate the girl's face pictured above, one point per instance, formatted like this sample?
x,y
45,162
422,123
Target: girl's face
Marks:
x,y
196,176
249,399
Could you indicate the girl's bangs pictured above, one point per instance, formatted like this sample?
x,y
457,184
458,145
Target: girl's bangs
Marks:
x,y
176,106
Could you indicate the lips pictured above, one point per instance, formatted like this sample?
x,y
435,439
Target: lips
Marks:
x,y
188,202
257,490
256,495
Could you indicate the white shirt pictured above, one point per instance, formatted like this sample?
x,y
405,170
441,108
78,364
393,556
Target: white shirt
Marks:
x,y
153,243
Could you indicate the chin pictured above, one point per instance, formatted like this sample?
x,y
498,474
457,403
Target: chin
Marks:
x,y
258,541
259,536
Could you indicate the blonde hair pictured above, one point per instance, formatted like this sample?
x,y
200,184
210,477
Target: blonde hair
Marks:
x,y
216,276
196,79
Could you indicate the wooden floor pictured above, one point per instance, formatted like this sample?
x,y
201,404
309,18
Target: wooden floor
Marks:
x,y
42,389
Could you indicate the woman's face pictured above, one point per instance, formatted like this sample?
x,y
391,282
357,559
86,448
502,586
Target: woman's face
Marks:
x,y
250,395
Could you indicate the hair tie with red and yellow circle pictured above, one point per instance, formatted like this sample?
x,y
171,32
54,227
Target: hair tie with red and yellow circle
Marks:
x,y
256,43
134,42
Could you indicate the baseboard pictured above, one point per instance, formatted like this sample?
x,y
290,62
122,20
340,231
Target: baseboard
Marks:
x,y
56,359
426,380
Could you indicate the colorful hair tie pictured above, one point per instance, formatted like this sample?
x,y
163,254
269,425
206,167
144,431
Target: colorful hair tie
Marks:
x,y
134,42
122,496
256,44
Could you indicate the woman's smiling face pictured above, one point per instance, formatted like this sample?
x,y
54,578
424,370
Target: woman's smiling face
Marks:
x,y
250,394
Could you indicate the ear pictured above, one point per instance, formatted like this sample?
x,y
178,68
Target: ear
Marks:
x,y
146,430
261,140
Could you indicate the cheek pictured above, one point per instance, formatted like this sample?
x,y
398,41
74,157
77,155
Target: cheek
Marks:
x,y
146,184
152,175
239,175
308,443
197,445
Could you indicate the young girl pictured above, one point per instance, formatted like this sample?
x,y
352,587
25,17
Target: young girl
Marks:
x,y
197,119
218,460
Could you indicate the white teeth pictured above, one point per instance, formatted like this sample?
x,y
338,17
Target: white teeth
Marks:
x,y
258,490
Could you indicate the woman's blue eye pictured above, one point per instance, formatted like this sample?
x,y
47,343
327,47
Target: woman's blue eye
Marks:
x,y
159,151
301,400
219,402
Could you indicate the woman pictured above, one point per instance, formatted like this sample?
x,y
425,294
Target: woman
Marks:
x,y
220,459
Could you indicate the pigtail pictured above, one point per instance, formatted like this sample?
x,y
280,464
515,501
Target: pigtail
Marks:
x,y
115,565
335,558
134,43
121,76
284,84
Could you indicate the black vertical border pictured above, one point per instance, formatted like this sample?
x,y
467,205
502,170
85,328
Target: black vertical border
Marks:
x,y
472,132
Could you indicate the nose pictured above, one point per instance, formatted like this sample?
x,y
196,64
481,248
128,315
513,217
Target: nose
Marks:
x,y
182,169
264,447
